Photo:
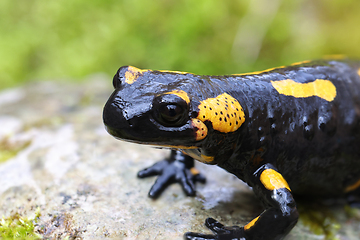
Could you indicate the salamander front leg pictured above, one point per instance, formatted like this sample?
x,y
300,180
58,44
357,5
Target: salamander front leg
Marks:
x,y
274,223
178,168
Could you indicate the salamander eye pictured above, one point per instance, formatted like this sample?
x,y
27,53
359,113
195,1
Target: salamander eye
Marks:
x,y
171,113
170,110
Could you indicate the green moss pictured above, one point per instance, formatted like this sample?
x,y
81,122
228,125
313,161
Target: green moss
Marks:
x,y
9,150
352,212
6,154
319,219
17,227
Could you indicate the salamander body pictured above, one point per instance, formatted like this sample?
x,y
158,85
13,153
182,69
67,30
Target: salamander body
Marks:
x,y
283,131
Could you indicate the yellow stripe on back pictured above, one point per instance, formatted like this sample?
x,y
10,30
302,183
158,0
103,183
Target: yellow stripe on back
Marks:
x,y
179,72
334,57
258,72
324,89
299,63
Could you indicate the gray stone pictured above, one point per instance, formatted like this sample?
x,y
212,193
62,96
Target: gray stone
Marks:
x,y
61,160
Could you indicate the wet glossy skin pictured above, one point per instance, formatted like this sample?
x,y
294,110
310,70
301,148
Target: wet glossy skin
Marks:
x,y
284,131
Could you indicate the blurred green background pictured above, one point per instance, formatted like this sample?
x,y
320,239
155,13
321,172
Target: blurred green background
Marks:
x,y
57,39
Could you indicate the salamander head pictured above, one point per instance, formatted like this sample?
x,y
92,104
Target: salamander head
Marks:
x,y
153,107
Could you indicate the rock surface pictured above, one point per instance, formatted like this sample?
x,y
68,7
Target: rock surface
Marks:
x,y
57,157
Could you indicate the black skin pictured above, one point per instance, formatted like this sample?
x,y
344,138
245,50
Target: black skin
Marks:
x,y
309,141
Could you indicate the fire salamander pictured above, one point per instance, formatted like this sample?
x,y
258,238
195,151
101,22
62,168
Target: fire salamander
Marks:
x,y
284,131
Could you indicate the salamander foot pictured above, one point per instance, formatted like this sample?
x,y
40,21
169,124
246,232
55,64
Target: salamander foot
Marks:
x,y
221,232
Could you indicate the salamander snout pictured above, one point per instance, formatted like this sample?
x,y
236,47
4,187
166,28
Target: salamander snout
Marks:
x,y
113,118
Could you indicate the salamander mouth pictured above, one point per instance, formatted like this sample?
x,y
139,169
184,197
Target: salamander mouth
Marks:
x,y
122,135
155,142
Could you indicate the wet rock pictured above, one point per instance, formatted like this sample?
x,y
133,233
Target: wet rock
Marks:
x,y
58,158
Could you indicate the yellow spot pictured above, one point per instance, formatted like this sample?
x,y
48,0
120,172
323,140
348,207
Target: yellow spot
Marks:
x,y
299,63
201,129
352,187
321,88
180,93
359,71
194,171
206,159
272,180
250,224
198,156
258,72
132,74
224,112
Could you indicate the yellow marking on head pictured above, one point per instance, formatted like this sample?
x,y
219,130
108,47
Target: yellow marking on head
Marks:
x,y
321,88
272,180
224,112
201,131
250,224
258,72
132,74
182,94
352,187
299,63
